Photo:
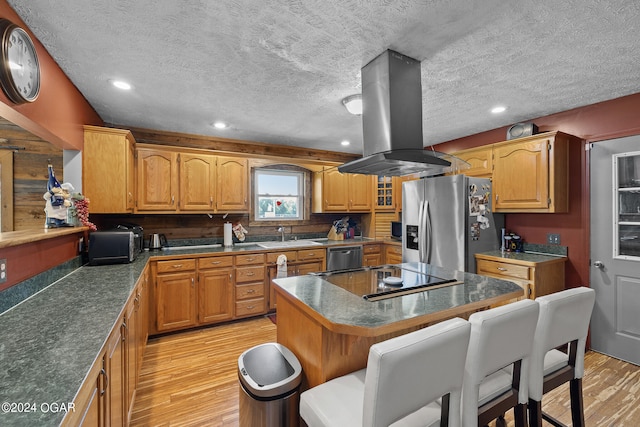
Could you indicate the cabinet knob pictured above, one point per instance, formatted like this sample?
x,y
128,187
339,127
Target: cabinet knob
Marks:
x,y
215,262
251,291
251,273
192,282
502,269
177,266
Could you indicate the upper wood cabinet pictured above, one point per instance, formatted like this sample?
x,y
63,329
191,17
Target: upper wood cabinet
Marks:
x,y
108,169
338,192
173,180
480,161
532,174
157,184
197,182
233,184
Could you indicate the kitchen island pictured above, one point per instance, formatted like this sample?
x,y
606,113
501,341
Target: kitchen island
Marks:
x,y
330,329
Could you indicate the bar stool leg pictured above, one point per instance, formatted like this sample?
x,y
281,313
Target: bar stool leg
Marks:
x,y
577,406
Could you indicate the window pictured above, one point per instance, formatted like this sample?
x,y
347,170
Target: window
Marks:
x,y
279,194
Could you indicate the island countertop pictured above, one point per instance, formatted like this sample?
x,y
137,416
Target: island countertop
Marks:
x,y
330,330
341,311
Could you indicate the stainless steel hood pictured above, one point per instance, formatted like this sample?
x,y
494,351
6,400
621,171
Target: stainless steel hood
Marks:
x,y
392,121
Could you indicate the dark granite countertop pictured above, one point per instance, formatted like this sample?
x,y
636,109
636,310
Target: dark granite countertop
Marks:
x,y
49,341
341,307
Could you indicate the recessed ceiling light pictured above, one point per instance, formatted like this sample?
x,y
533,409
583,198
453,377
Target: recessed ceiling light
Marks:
x,y
345,142
499,109
220,125
121,84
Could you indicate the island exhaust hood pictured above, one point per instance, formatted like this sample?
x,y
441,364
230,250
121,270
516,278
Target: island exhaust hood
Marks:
x,y
392,121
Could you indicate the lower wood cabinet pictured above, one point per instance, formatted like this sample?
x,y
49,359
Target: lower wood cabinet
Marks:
x,y
107,395
299,263
537,278
250,285
215,289
176,300
392,254
371,255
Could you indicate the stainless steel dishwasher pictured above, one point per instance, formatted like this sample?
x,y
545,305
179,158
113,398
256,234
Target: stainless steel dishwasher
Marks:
x,y
344,257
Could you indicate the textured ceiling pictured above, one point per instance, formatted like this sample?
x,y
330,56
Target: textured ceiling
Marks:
x,y
276,71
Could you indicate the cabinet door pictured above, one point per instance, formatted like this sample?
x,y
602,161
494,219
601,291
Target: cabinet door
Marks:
x,y
360,192
233,187
176,301
521,175
92,410
197,182
131,337
115,368
157,180
309,267
384,197
108,169
334,191
480,161
393,254
215,295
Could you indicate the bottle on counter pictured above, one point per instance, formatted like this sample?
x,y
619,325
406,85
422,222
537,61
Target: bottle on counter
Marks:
x,y
53,187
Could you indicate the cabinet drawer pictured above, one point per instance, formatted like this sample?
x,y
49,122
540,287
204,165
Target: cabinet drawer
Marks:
x,y
250,307
502,269
250,290
272,257
308,254
215,262
250,259
176,265
249,274
371,249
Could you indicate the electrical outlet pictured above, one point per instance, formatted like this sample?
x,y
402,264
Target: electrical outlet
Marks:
x,y
3,270
553,238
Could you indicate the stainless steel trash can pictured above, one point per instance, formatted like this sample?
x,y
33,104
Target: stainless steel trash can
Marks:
x,y
270,376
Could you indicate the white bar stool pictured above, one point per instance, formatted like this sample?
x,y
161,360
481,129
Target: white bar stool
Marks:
x,y
404,378
564,321
497,367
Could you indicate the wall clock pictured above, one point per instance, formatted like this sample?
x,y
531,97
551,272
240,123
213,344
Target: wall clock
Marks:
x,y
19,70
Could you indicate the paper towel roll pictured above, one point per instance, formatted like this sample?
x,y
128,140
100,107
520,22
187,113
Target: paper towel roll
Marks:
x,y
228,240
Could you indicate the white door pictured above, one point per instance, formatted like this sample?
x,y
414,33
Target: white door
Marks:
x,y
615,247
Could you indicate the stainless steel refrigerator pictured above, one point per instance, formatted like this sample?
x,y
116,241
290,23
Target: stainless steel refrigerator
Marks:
x,y
447,219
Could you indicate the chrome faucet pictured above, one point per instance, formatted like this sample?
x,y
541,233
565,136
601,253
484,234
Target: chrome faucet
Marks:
x,y
281,230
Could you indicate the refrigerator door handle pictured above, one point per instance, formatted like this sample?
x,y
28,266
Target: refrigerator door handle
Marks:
x,y
427,233
421,232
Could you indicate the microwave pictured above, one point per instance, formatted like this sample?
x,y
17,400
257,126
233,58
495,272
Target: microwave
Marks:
x,y
113,247
396,230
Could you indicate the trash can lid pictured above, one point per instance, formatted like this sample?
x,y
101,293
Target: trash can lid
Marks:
x,y
269,370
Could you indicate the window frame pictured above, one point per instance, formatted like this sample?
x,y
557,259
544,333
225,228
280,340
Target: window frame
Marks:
x,y
305,194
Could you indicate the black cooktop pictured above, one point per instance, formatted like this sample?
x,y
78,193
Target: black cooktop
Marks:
x,y
386,281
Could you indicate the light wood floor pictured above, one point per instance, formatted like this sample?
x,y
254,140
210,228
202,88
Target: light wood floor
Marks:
x,y
190,379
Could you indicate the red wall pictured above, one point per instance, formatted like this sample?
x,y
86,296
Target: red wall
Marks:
x,y
597,122
60,111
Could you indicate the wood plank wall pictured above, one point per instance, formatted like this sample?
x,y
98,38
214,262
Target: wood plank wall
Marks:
x,y
29,174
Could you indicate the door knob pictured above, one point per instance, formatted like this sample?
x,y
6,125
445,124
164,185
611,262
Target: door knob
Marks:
x,y
598,264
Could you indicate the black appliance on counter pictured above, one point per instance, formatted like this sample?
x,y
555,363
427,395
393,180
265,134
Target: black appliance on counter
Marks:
x,y
396,230
120,245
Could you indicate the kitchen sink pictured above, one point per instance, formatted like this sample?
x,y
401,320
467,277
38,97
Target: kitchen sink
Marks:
x,y
287,244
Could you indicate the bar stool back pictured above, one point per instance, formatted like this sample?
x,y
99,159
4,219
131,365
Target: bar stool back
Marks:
x,y
564,321
497,364
404,378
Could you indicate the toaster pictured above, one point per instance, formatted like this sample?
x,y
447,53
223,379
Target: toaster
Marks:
x,y
113,247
